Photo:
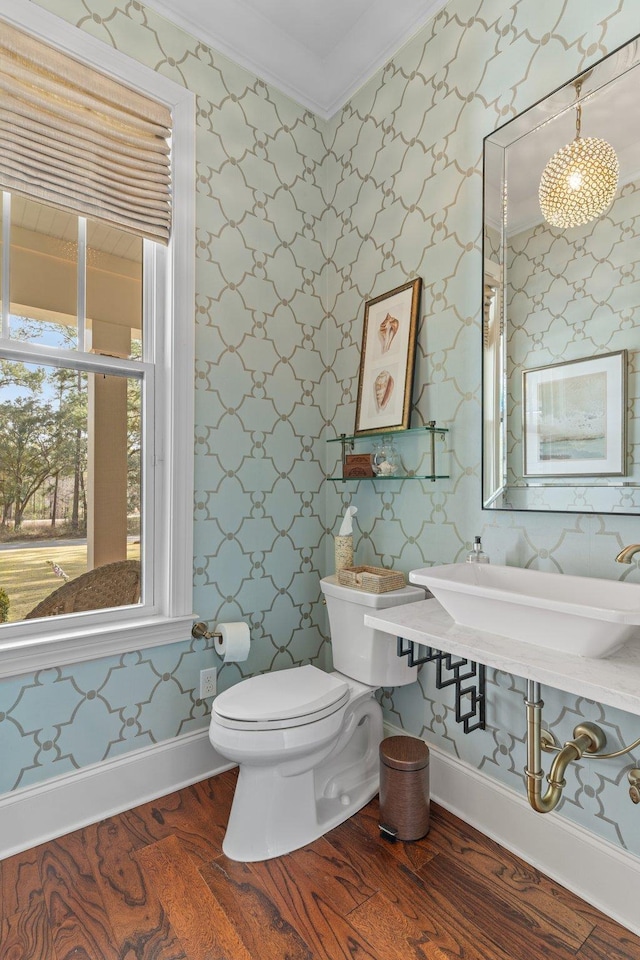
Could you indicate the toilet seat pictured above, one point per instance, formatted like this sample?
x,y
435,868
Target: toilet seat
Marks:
x,y
276,701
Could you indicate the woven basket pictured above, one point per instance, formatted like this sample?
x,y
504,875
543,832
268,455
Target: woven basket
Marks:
x,y
112,585
372,579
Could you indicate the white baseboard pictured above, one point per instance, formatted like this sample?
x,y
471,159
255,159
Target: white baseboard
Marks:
x,y
604,875
47,810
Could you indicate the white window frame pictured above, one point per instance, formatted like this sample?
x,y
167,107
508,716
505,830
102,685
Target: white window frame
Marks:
x,y
166,616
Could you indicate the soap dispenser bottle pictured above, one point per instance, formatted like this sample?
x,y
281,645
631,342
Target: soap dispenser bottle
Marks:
x,y
477,555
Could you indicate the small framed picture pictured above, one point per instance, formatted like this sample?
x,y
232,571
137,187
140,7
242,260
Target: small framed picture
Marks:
x,y
574,417
387,360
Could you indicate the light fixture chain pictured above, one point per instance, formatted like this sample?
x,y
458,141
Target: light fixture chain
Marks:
x,y
578,86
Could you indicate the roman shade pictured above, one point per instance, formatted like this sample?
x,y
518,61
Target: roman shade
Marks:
x,y
73,137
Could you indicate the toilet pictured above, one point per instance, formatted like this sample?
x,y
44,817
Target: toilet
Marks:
x,y
307,741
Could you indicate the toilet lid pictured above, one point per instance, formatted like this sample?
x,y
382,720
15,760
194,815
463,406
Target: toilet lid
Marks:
x,y
285,698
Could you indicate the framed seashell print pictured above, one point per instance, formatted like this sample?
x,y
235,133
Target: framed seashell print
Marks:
x,y
387,360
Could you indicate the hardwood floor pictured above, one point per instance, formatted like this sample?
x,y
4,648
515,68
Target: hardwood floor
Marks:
x,y
153,884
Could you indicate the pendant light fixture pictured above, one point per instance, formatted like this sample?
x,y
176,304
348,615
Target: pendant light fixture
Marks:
x,y
579,182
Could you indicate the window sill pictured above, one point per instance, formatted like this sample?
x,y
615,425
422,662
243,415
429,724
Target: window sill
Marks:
x,y
25,655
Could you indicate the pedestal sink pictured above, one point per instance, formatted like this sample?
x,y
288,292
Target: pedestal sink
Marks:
x,y
586,616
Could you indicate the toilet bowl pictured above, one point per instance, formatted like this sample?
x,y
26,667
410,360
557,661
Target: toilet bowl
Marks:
x,y
306,741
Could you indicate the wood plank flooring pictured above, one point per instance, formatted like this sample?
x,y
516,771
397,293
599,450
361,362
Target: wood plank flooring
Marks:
x,y
153,884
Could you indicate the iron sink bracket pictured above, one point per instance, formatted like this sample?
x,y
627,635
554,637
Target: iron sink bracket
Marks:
x,y
461,670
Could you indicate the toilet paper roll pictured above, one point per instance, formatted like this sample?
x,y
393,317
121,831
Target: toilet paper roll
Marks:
x,y
233,642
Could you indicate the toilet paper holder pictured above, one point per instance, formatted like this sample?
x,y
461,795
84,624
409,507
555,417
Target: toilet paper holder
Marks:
x,y
199,631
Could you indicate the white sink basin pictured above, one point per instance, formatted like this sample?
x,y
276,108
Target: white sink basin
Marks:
x,y
585,616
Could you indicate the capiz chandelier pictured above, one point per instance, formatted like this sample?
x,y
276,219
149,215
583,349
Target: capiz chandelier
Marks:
x,y
579,182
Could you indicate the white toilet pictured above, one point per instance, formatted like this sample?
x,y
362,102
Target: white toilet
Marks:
x,y
307,741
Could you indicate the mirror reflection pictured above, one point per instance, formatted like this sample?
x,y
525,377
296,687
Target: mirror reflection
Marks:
x,y
562,303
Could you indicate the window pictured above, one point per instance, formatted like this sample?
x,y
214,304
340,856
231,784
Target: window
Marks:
x,y
96,359
73,437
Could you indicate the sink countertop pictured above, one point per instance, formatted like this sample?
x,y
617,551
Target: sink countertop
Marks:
x,y
612,680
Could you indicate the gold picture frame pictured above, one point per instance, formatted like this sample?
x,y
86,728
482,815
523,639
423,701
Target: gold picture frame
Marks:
x,y
387,360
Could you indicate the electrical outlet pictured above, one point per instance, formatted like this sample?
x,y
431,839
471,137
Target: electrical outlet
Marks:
x,y
208,683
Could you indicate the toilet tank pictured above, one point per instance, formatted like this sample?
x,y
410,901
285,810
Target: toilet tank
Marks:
x,y
360,652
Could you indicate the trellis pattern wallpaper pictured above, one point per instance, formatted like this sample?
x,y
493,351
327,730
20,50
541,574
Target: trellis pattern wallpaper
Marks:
x,y
300,221
406,200
260,328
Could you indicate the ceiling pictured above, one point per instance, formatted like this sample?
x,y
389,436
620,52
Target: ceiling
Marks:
x,y
318,52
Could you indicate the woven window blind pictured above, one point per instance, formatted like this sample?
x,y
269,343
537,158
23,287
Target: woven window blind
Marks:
x,y
76,139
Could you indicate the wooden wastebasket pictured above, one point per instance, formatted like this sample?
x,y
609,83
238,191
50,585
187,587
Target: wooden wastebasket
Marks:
x,y
404,788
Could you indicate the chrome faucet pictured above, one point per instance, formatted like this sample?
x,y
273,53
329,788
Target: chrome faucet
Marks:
x,y
627,552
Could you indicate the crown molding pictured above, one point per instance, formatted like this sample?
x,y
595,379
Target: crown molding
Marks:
x,y
263,47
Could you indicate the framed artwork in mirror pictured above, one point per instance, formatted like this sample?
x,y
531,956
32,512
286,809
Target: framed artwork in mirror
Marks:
x,y
574,417
387,360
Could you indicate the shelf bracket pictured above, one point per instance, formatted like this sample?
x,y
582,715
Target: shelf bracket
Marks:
x,y
346,442
432,447
470,697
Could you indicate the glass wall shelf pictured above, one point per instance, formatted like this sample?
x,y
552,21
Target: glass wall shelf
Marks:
x,y
430,430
